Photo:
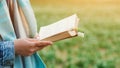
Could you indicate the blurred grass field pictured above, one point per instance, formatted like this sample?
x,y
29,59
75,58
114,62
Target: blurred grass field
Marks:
x,y
99,20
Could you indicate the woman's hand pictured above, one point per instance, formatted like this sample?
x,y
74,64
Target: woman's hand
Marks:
x,y
26,47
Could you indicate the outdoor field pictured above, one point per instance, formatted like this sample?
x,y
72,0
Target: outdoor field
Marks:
x,y
99,20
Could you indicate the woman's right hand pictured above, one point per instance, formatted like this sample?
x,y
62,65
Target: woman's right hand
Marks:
x,y
26,47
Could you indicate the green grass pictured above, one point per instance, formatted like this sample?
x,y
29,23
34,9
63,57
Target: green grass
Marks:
x,y
101,46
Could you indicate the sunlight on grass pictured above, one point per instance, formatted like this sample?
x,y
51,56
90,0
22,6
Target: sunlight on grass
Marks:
x,y
99,20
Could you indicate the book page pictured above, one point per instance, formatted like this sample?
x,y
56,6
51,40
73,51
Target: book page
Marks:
x,y
58,27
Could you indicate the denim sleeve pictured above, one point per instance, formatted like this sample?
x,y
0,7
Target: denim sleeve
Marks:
x,y
7,53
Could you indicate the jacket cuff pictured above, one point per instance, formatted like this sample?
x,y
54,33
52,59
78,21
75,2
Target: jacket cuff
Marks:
x,y
7,54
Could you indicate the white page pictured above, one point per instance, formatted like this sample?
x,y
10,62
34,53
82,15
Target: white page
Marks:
x,y
58,27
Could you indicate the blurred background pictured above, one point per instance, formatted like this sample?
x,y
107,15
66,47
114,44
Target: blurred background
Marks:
x,y
99,20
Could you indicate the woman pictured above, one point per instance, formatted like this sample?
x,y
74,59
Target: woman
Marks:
x,y
18,44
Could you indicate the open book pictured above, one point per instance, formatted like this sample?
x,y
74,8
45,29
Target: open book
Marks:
x,y
65,28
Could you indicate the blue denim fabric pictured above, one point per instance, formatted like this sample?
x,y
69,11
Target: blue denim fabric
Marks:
x,y
7,53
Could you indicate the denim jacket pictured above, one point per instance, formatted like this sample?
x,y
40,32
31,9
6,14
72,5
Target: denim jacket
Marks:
x,y
7,53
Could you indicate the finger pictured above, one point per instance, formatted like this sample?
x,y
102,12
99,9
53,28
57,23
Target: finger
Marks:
x,y
39,48
37,36
33,40
43,43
